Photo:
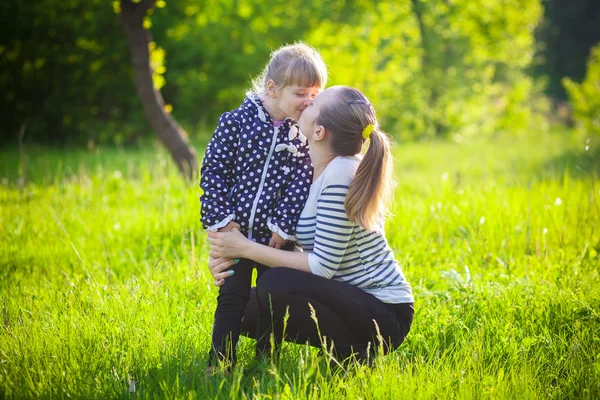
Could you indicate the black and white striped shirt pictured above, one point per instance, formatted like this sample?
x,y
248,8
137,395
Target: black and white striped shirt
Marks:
x,y
341,250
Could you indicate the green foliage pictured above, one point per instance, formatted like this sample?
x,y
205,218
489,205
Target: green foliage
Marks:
x,y
454,68
585,96
216,47
157,61
104,286
431,69
64,71
440,68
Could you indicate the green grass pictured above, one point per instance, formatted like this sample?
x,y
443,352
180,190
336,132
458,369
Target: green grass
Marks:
x,y
103,278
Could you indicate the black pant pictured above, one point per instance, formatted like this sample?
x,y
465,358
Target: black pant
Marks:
x,y
233,299
346,315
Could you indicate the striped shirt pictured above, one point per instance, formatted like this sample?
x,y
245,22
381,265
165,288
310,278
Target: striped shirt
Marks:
x,y
341,250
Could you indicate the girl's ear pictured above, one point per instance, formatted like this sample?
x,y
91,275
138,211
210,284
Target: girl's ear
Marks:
x,y
271,88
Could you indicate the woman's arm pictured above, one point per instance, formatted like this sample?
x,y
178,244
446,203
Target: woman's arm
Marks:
x,y
235,245
273,257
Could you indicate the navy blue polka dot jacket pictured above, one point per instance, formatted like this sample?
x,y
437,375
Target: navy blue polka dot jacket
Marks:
x,y
255,174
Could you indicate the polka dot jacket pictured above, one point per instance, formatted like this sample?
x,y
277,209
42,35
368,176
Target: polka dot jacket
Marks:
x,y
255,174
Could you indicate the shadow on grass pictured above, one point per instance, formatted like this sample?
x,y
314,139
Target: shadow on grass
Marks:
x,y
180,379
176,378
578,164
185,377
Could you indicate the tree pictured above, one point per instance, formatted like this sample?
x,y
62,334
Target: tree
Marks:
x,y
565,37
168,130
62,74
453,68
585,96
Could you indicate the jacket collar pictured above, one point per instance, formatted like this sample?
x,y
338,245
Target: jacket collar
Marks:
x,y
253,102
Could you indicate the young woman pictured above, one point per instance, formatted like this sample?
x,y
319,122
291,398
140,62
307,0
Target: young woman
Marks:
x,y
346,272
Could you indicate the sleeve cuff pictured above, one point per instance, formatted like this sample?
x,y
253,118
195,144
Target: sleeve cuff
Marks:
x,y
221,224
275,229
315,267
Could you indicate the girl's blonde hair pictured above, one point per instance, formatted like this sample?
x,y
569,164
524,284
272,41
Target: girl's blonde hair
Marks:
x,y
345,119
297,64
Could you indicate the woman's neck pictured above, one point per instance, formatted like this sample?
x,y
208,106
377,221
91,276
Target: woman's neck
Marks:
x,y
320,157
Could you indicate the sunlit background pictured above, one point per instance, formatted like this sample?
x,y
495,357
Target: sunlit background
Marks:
x,y
452,68
494,111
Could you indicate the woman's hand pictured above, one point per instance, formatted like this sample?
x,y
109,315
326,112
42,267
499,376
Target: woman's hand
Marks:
x,y
217,267
228,244
234,244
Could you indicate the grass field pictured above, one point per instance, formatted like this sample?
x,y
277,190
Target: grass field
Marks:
x,y
105,293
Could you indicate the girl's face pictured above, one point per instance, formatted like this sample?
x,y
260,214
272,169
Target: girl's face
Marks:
x,y
291,100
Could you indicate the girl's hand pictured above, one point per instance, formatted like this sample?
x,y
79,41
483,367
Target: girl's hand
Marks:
x,y
229,227
228,244
277,241
217,267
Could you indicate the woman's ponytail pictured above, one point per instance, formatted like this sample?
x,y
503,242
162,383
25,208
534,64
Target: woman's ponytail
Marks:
x,y
370,187
351,122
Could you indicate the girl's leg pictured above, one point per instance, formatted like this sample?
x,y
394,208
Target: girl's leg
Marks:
x,y
263,321
346,315
231,303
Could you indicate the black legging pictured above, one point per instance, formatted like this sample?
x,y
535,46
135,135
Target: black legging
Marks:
x,y
234,298
345,313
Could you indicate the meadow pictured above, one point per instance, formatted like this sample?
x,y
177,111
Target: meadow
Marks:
x,y
105,293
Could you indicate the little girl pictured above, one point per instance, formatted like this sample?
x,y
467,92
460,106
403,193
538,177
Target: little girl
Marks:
x,y
256,175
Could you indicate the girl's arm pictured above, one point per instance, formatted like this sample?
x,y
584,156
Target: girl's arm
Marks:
x,y
294,194
235,245
217,177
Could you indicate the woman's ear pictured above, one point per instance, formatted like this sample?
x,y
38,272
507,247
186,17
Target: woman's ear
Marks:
x,y
271,88
319,133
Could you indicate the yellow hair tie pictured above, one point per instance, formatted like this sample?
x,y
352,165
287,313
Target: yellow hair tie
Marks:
x,y
366,133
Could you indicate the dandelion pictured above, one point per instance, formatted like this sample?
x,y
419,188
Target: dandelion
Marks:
x,y
557,202
518,228
444,176
544,231
481,220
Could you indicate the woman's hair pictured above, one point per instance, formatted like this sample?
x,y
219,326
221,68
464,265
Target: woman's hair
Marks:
x,y
296,63
345,119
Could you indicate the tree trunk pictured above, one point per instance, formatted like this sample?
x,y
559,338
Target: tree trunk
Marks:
x,y
428,66
170,133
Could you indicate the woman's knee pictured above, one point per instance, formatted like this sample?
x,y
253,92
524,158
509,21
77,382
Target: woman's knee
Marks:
x,y
274,282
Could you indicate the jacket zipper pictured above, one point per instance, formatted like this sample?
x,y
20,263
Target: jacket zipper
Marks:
x,y
262,183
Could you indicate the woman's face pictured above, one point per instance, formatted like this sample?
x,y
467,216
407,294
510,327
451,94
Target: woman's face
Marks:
x,y
308,120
